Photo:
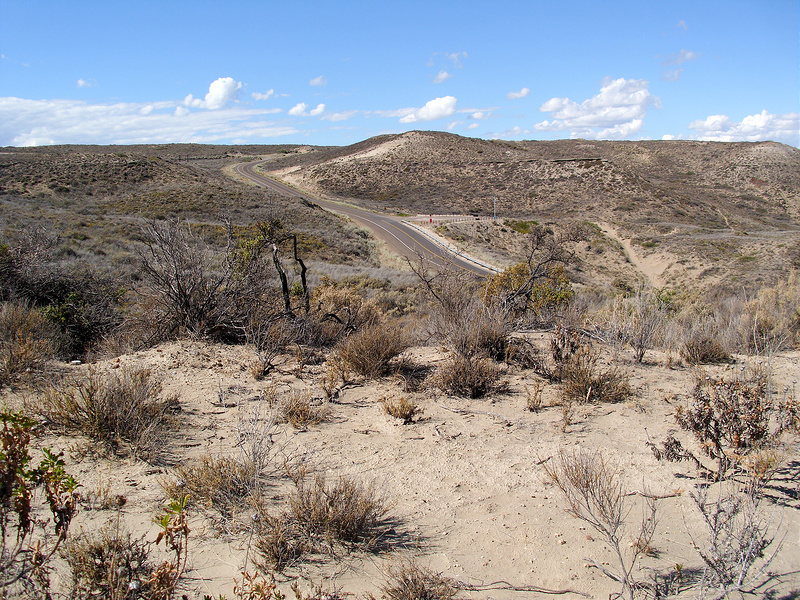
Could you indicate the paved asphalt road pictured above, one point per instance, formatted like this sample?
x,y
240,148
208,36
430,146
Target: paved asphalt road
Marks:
x,y
400,237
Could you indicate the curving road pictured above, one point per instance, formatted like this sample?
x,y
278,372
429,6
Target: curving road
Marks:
x,y
399,236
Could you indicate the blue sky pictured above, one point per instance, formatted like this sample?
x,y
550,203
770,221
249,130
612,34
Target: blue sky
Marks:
x,y
334,73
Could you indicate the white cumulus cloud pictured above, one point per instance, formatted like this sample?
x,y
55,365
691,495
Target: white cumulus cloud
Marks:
x,y
438,108
758,127
221,92
301,110
520,94
616,112
441,76
265,96
82,83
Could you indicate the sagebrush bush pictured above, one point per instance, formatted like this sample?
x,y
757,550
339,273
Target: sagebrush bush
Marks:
x,y
401,408
110,564
370,351
703,350
344,511
121,409
584,380
472,377
731,418
27,341
407,580
218,482
320,516
300,410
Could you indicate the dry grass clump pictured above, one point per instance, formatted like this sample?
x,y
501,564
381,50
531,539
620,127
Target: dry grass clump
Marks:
x,y
369,352
703,350
120,409
401,408
320,516
583,380
473,377
226,483
407,580
300,410
219,482
27,341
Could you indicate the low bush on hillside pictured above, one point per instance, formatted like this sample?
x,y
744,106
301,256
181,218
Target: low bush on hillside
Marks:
x,y
121,409
401,408
407,580
320,516
584,380
370,351
28,341
733,419
471,377
702,350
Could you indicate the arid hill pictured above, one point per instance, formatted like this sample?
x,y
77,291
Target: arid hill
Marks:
x,y
717,213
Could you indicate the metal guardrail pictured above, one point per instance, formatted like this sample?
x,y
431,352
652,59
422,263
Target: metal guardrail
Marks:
x,y
452,249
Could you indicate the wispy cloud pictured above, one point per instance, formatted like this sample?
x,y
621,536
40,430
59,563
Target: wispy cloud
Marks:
x,y
455,58
682,25
441,76
758,127
41,122
675,60
318,81
438,108
616,112
84,83
340,116
520,94
265,96
680,58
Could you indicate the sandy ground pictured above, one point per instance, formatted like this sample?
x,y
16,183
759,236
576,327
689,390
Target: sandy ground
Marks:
x,y
468,492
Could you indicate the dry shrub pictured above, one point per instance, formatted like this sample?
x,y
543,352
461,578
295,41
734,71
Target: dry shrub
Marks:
x,y
227,482
215,482
120,409
473,377
27,341
341,310
700,350
301,411
369,352
407,580
280,543
595,493
401,408
321,516
731,418
344,511
533,397
583,380
108,564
